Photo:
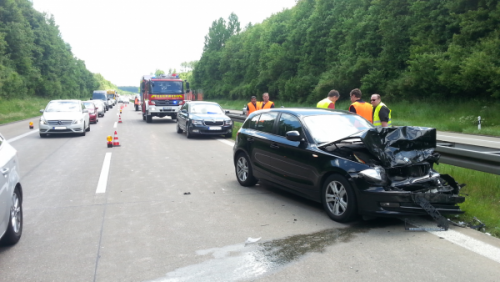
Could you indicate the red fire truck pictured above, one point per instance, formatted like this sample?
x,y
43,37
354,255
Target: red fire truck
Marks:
x,y
162,96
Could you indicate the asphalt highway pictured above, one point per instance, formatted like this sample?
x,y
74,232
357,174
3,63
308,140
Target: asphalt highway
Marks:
x,y
172,210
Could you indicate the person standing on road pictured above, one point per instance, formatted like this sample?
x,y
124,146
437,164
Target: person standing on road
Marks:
x,y
265,104
136,103
359,106
329,102
381,113
252,106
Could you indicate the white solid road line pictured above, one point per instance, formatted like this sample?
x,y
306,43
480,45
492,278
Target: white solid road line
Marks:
x,y
103,179
116,123
453,236
227,142
462,240
22,136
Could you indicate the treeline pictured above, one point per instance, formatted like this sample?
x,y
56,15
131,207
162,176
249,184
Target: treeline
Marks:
x,y
132,89
447,49
34,60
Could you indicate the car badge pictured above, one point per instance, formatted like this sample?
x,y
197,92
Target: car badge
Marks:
x,y
60,122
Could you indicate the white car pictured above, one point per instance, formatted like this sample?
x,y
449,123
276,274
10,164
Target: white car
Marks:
x,y
11,195
64,116
101,108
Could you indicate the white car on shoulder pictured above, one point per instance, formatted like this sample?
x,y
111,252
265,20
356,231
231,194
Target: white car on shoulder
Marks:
x,y
64,116
11,195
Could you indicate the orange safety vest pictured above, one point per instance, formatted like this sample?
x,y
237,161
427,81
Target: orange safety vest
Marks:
x,y
266,106
136,101
364,109
252,108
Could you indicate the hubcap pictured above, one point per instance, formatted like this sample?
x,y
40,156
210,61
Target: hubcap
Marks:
x,y
242,169
336,198
15,213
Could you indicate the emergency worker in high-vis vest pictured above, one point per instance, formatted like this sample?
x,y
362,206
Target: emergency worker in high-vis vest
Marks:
x,y
329,102
265,104
136,103
359,106
252,106
381,113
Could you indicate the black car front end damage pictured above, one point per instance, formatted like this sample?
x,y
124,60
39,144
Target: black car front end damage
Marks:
x,y
401,179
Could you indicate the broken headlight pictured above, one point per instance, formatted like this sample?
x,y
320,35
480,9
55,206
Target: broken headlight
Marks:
x,y
374,175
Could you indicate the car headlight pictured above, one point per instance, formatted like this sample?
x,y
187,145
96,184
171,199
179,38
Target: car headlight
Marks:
x,y
228,122
374,175
76,121
197,122
43,120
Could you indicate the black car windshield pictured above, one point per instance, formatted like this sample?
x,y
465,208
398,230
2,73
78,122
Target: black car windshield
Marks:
x,y
166,87
53,107
206,109
329,128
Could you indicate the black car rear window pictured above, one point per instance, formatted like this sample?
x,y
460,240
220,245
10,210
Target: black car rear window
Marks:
x,y
99,96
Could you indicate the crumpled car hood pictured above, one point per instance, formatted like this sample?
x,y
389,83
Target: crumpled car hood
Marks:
x,y
400,146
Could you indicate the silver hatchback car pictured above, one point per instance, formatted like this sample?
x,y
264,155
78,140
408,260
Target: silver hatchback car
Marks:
x,y
11,195
64,116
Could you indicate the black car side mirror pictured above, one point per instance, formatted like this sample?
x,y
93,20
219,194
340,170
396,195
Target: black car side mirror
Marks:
x,y
227,112
293,136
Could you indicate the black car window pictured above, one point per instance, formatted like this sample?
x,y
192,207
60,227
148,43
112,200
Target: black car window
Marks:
x,y
251,122
288,123
266,122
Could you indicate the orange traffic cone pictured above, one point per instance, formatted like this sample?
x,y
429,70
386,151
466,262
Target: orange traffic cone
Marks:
x,y
120,119
115,140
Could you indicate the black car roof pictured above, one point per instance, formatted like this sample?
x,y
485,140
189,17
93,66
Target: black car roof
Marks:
x,y
306,111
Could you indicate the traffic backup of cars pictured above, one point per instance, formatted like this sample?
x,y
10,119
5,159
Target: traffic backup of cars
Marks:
x,y
341,160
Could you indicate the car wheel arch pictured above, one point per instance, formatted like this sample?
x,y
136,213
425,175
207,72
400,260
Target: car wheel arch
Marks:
x,y
325,176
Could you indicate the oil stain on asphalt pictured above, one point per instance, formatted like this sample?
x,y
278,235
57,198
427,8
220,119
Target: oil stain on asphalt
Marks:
x,y
247,262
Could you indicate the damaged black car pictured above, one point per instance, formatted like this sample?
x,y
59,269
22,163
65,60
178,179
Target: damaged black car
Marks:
x,y
341,160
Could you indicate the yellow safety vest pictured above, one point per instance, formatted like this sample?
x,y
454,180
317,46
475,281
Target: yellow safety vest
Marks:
x,y
376,118
323,104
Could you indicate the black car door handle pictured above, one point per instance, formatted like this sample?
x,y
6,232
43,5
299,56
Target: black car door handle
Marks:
x,y
275,146
249,139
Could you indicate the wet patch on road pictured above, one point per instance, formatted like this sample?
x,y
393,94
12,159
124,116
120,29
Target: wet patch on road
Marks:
x,y
247,262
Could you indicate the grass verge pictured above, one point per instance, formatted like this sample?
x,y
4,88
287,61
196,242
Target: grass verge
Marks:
x,y
19,109
445,116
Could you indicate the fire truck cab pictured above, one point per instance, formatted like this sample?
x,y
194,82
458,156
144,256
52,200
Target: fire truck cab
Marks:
x,y
162,96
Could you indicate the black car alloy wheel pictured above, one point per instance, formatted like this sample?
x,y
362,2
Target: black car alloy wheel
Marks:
x,y
338,199
244,170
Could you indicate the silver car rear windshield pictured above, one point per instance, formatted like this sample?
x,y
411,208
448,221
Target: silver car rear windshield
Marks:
x,y
329,128
53,107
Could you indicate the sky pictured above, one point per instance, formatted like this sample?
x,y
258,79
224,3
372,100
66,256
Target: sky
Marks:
x,y
125,39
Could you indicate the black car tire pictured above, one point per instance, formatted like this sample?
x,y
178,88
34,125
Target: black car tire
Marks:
x,y
12,235
149,119
229,135
339,199
43,135
243,170
189,135
88,128
143,117
179,130
84,131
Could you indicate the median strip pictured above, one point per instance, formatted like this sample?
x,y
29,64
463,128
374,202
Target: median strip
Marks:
x,y
103,178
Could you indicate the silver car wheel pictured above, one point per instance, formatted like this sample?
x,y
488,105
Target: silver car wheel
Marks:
x,y
336,198
242,169
15,213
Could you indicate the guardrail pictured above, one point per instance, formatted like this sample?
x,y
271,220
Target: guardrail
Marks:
x,y
451,154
